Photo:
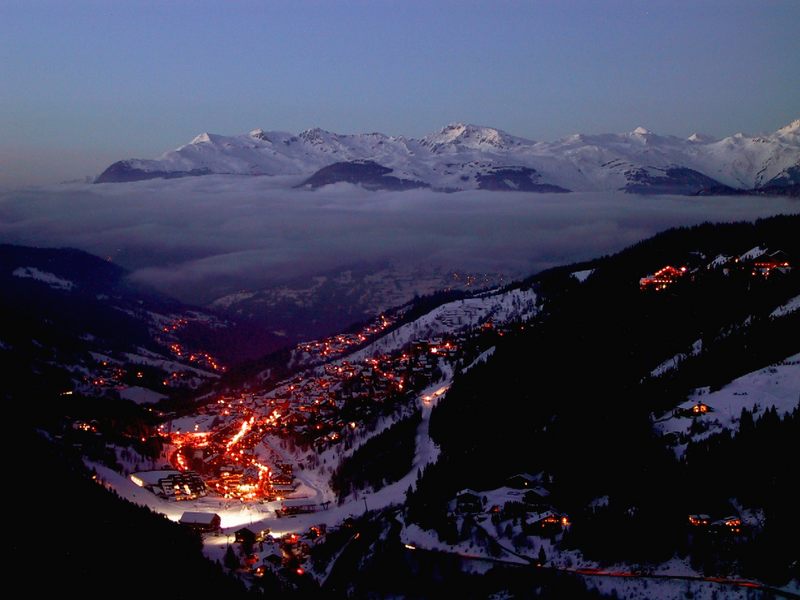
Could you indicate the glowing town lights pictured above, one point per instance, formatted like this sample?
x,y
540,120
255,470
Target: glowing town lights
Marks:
x,y
231,445
240,434
182,466
662,278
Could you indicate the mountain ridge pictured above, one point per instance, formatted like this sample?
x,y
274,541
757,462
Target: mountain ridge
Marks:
x,y
462,156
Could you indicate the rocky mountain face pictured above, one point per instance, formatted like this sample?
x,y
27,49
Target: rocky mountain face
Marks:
x,y
462,157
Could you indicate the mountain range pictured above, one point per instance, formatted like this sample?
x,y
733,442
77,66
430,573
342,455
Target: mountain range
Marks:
x,y
462,157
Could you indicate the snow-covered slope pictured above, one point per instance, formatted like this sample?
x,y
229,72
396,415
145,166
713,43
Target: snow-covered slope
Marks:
x,y
498,307
462,156
776,386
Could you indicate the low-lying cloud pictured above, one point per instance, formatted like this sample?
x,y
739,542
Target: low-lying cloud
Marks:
x,y
199,238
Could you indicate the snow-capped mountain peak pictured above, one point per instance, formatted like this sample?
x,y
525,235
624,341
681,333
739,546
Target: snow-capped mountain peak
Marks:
x,y
316,133
792,128
472,136
701,138
464,156
203,138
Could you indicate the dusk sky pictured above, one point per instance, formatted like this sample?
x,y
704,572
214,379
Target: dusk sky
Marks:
x,y
83,84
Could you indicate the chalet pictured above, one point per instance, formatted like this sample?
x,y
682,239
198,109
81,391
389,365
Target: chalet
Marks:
x,y
546,523
724,262
513,509
172,485
316,531
274,558
283,490
699,520
260,571
662,279
88,426
202,522
469,501
296,507
245,536
770,263
731,525
184,486
251,560
536,498
522,481
700,409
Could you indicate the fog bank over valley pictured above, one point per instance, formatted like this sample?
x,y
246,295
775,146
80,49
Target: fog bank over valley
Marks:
x,y
203,239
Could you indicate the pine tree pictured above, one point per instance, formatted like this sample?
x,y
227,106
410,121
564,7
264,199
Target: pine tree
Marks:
x,y
542,556
746,424
230,561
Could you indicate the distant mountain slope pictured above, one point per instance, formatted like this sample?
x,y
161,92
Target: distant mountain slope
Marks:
x,y
76,322
462,156
311,307
367,173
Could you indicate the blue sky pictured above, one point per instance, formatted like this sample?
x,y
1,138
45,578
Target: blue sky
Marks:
x,y
85,83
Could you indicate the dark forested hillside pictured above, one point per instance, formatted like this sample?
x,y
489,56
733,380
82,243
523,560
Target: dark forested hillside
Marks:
x,y
383,459
83,539
572,396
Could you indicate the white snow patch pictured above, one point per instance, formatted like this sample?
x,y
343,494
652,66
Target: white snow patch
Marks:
x,y
752,253
193,423
664,589
672,363
718,261
422,539
582,275
54,281
791,306
141,395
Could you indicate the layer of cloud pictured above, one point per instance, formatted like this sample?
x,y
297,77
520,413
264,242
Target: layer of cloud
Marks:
x,y
200,238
